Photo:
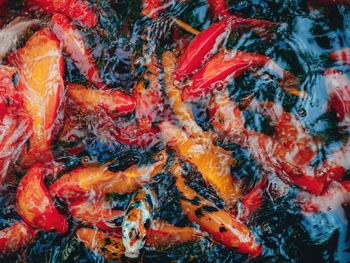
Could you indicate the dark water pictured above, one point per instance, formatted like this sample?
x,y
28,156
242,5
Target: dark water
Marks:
x,y
301,46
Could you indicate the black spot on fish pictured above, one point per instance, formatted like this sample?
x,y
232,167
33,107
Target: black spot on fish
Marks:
x,y
108,241
103,249
199,212
222,229
195,201
147,224
28,145
209,209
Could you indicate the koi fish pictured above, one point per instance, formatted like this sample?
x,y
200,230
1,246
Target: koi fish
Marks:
x,y
227,65
34,204
78,183
207,43
111,101
217,222
12,33
77,10
74,45
211,161
285,161
94,212
109,245
40,68
137,222
15,237
338,88
162,236
201,48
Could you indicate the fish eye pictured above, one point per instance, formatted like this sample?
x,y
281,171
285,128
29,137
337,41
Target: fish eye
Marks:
x,y
72,138
85,160
160,157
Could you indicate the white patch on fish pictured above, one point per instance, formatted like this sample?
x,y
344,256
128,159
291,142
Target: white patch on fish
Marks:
x,y
12,32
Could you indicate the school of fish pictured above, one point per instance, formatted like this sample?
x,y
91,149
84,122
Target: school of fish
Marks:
x,y
39,107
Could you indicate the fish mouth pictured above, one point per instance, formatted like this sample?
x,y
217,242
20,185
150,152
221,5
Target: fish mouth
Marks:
x,y
131,254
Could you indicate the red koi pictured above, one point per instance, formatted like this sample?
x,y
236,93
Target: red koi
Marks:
x,y
15,237
284,160
217,222
207,43
201,48
333,197
40,67
224,66
338,88
34,204
77,10
74,45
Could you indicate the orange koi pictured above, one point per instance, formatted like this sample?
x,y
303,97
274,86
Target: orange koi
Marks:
x,y
40,67
80,182
111,101
211,161
217,222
